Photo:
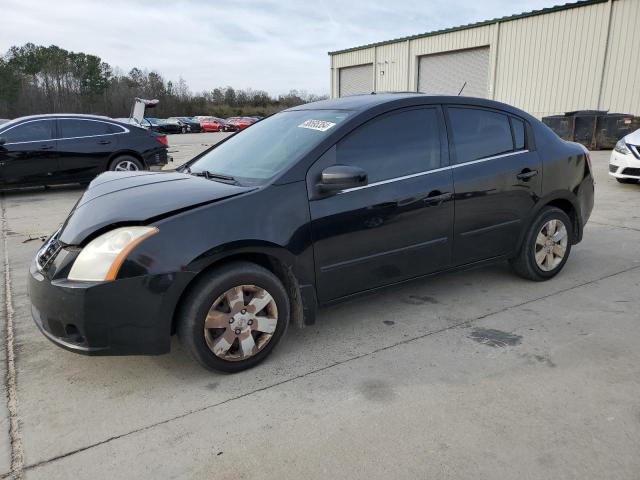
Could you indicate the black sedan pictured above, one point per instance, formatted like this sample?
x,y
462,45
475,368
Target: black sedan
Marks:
x,y
58,149
162,126
189,124
308,207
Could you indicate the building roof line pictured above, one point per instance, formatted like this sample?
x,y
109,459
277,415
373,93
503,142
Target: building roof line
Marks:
x,y
532,13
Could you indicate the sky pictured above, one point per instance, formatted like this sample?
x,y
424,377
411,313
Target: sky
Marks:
x,y
268,45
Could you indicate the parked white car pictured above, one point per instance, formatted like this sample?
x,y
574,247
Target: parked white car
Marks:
x,y
624,163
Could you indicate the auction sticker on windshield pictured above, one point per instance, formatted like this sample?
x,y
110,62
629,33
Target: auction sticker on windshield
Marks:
x,y
320,125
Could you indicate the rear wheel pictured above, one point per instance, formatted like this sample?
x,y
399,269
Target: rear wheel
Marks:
x,y
233,317
546,246
125,163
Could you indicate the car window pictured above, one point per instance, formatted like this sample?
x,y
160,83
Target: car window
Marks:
x,y
479,133
393,145
72,128
41,130
518,133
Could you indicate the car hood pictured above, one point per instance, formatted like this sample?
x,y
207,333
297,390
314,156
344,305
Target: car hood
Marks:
x,y
633,138
118,198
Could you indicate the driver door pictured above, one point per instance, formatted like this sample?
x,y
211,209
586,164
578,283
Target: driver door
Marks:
x,y
399,225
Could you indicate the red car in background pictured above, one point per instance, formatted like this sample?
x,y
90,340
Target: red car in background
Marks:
x,y
211,124
241,122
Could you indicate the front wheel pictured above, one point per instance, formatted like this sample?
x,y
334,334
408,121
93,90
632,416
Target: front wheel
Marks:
x,y
546,246
233,317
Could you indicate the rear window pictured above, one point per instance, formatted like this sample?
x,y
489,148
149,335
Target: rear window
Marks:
x,y
479,133
73,128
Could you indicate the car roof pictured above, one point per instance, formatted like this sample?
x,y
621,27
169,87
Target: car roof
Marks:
x,y
55,115
402,99
61,115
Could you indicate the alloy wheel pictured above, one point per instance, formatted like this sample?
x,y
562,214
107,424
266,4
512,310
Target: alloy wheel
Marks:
x,y
240,322
551,245
125,166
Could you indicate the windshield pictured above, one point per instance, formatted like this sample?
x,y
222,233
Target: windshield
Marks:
x,y
267,147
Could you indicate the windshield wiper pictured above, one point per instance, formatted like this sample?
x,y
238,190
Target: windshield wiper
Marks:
x,y
216,176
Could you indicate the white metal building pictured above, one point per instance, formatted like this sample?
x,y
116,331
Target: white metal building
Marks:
x,y
577,56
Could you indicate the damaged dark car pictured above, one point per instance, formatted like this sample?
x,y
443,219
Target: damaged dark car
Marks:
x,y
308,207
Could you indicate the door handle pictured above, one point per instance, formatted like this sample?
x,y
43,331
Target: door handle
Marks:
x,y
526,174
104,142
436,198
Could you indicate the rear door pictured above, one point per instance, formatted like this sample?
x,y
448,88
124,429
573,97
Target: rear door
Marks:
x,y
497,180
29,155
85,146
398,226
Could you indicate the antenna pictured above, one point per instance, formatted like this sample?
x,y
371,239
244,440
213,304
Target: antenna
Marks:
x,y
463,85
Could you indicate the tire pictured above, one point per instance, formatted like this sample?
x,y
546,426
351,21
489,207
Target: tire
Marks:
x,y
183,130
525,263
125,163
201,301
627,180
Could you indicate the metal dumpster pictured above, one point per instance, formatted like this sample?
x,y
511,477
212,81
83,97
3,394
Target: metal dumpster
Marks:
x,y
595,129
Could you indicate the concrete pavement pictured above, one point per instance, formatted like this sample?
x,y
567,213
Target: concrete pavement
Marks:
x,y
476,374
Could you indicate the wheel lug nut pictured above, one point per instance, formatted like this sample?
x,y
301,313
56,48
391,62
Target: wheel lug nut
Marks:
x,y
231,320
243,311
250,322
237,331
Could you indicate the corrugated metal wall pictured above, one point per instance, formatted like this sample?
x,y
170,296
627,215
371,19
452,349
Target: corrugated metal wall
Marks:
x,y
552,63
585,57
621,82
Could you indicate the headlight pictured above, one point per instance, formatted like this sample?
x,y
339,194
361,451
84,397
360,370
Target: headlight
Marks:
x,y
621,147
101,259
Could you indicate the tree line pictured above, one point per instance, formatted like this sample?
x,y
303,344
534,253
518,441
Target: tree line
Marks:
x,y
37,79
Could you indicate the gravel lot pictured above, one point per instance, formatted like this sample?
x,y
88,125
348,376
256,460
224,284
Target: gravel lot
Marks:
x,y
477,375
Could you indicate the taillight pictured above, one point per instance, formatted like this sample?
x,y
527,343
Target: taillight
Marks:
x,y
163,140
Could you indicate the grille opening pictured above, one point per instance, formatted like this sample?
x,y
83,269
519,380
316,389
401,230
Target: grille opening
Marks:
x,y
631,171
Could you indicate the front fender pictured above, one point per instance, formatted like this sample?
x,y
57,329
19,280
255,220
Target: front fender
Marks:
x,y
272,221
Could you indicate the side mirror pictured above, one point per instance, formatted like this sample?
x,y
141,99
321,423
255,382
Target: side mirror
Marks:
x,y
341,177
3,140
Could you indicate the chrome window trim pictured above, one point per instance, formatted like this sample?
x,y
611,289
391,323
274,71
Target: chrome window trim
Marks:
x,y
427,172
480,160
124,129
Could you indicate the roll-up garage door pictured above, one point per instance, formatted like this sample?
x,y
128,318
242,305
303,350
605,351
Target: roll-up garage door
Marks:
x,y
357,79
446,73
